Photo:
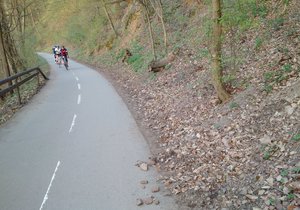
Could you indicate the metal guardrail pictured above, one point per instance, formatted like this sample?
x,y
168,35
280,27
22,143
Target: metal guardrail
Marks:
x,y
30,73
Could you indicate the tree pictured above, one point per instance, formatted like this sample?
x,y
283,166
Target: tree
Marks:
x,y
223,95
157,6
108,17
9,54
3,53
151,9
145,6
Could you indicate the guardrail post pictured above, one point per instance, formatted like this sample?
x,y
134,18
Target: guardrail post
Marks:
x,y
18,92
38,79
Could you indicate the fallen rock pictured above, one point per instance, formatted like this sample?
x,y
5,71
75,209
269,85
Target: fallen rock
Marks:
x,y
156,202
139,202
148,201
144,182
155,189
144,166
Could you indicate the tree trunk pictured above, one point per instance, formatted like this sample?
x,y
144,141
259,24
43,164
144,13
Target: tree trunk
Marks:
x,y
223,95
108,17
150,29
34,25
12,58
24,24
3,53
164,27
159,12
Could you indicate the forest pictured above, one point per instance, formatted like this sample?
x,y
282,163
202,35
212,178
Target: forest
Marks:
x,y
216,82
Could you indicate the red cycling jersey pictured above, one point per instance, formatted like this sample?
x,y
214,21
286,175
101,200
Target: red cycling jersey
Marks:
x,y
64,52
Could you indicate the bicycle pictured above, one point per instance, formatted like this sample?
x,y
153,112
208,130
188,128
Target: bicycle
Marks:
x,y
65,62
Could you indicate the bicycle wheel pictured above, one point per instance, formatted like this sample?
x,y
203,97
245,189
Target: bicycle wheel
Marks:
x,y
66,63
67,66
59,61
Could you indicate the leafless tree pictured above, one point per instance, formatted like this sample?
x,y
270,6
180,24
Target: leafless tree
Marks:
x,y
223,95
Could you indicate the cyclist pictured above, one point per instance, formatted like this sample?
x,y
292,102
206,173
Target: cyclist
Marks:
x,y
64,56
57,54
64,53
53,51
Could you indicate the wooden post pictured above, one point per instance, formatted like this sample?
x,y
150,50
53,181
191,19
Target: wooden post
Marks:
x,y
18,92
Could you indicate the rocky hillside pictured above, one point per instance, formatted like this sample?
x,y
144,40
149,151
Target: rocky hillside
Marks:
x,y
243,154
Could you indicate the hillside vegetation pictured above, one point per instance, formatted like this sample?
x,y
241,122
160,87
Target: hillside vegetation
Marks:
x,y
239,154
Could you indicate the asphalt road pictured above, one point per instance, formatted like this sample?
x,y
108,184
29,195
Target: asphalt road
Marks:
x,y
75,146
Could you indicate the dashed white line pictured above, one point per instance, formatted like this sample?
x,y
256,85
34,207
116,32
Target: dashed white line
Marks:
x,y
77,78
79,86
79,99
53,177
73,123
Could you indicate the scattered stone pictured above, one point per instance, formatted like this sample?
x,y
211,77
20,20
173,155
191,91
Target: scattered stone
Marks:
x,y
139,202
156,202
144,182
148,201
155,189
144,166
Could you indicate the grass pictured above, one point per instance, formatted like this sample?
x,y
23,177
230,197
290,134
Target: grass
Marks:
x,y
258,43
284,172
296,137
233,105
272,78
296,170
290,196
269,151
276,23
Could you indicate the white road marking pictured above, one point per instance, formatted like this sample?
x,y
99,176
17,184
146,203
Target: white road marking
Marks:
x,y
77,78
79,86
53,177
73,123
79,99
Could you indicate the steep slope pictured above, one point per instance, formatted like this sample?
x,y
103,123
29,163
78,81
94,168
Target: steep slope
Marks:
x,y
239,155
